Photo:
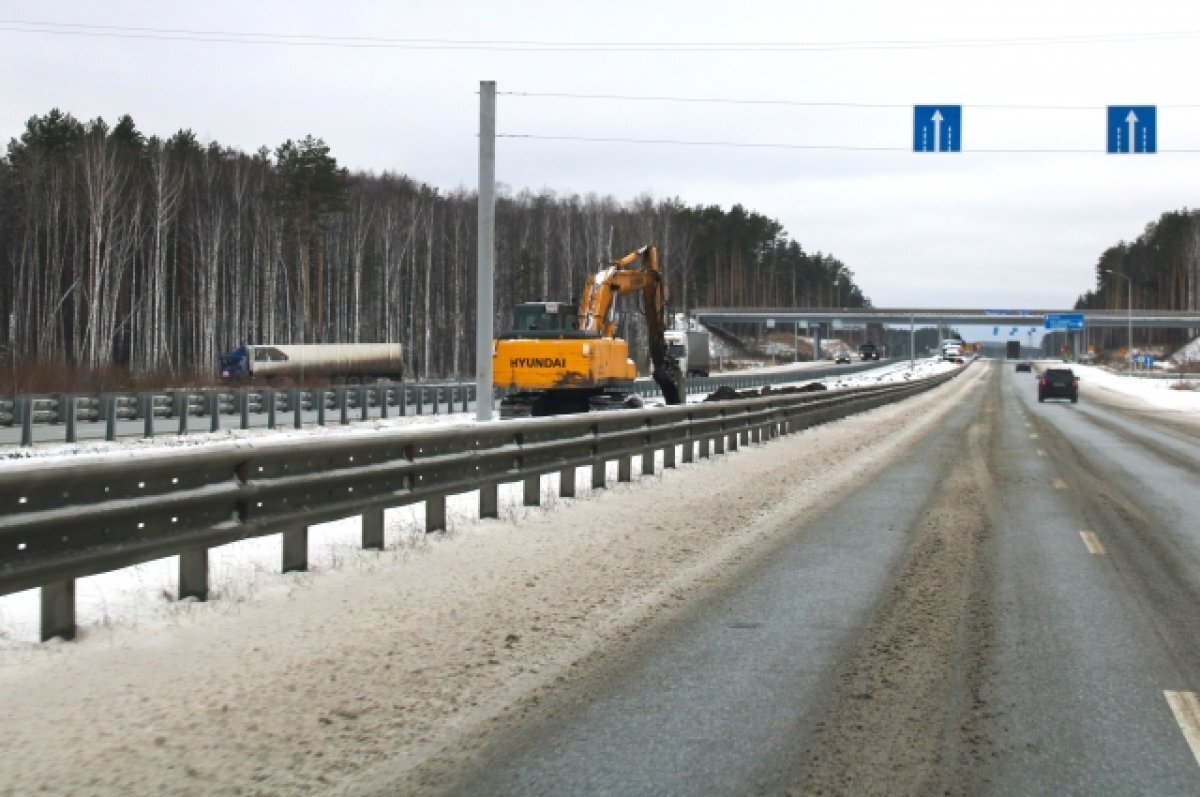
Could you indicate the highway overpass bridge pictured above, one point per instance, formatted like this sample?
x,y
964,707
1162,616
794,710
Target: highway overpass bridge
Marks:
x,y
884,324
944,317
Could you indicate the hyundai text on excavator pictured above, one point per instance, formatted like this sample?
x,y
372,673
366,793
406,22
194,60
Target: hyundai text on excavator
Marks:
x,y
559,359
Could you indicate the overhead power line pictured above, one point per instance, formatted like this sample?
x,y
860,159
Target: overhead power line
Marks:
x,y
817,147
800,103
546,45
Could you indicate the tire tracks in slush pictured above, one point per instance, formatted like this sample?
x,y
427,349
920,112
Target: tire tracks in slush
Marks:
x,y
910,691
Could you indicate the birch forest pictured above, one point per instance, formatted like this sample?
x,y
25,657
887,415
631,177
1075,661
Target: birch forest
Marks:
x,y
156,255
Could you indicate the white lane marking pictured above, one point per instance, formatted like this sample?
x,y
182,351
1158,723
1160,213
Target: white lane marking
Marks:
x,y
1093,543
1059,484
1033,437
1186,708
1041,453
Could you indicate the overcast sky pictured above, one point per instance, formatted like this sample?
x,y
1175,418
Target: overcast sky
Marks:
x,y
392,86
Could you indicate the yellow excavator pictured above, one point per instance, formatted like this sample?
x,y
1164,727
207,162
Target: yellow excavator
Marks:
x,y
561,359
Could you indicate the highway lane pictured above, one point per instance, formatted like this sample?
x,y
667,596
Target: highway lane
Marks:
x,y
1009,608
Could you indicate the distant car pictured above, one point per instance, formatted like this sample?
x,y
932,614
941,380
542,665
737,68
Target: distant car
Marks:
x,y
842,359
868,351
1024,367
1058,383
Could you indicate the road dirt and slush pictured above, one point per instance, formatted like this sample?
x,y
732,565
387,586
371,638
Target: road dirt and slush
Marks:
x,y
395,672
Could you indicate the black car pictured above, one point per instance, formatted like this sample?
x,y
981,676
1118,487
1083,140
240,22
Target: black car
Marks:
x,y
1058,383
1024,367
842,359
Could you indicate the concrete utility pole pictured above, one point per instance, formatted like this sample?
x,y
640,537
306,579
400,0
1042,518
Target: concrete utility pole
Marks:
x,y
487,250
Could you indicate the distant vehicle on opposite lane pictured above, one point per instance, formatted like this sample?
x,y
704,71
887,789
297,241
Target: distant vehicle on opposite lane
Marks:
x,y
842,359
868,351
1058,383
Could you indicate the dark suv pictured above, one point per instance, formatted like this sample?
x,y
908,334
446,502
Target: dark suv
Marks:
x,y
1058,383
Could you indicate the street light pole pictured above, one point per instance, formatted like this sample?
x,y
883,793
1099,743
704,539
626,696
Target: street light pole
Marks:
x,y
1128,313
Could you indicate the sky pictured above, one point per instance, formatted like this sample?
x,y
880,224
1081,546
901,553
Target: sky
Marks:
x,y
814,125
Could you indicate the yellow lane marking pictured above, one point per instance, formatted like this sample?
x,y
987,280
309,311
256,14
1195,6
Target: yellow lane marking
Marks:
x,y
1186,708
1093,543
1059,484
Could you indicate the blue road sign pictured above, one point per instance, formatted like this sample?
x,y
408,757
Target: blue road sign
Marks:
x,y
937,128
1132,128
1064,321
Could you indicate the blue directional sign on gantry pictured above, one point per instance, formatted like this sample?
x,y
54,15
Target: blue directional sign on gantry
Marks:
x,y
937,128
1132,129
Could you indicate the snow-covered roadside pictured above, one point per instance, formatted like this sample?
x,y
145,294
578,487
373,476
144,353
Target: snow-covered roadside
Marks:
x,y
391,658
144,595
1158,393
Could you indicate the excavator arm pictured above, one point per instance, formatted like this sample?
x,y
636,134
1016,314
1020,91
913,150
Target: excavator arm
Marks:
x,y
637,271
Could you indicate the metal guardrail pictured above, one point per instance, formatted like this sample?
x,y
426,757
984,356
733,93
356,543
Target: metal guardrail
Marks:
x,y
353,402
60,521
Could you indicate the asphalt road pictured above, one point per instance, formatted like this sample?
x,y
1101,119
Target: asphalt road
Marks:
x,y
1011,607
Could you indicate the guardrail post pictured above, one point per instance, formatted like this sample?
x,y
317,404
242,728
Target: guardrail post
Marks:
x,y
599,474
68,406
435,514
466,397
343,406
295,550
58,610
110,418
624,469
566,483
648,462
669,456
297,408
181,411
719,443
533,491
193,574
381,398
243,399
705,448
146,402
489,505
419,398
402,399
214,411
320,395
364,407
269,394
689,450
437,399
372,530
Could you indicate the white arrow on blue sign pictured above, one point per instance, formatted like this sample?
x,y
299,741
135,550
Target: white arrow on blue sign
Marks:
x,y
1132,129
937,128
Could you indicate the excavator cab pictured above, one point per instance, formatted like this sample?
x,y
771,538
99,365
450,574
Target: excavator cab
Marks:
x,y
545,320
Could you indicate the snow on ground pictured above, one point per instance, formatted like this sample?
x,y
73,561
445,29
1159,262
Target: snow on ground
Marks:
x,y
1162,393
144,595
1189,353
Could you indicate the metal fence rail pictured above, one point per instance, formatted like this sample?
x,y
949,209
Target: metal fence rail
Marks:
x,y
61,521
340,404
